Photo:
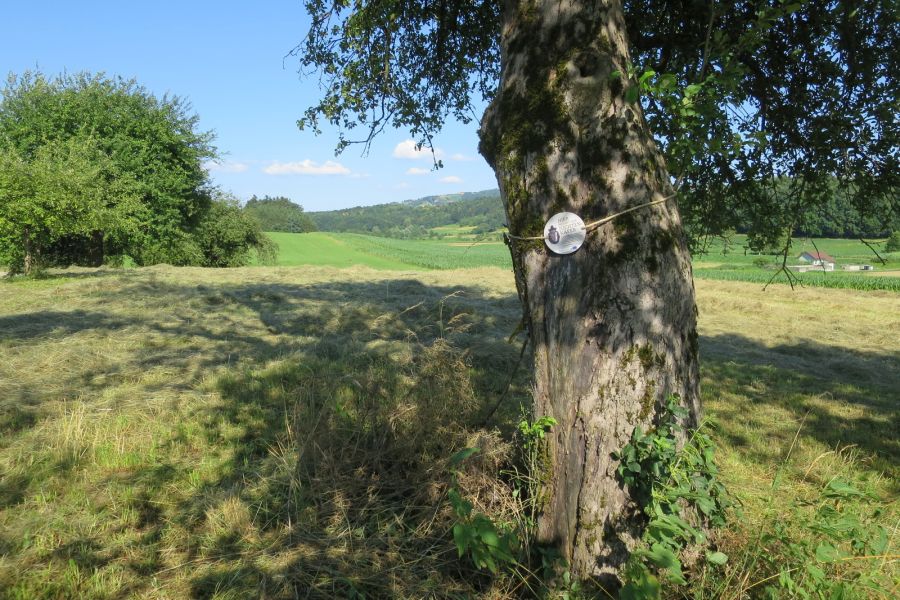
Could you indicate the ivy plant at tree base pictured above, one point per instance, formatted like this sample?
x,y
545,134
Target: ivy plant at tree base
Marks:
x,y
671,477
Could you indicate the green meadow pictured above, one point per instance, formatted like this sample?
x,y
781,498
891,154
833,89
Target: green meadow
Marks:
x,y
284,432
324,249
719,261
346,249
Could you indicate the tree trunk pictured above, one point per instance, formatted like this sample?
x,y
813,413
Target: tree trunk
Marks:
x,y
613,326
96,253
29,261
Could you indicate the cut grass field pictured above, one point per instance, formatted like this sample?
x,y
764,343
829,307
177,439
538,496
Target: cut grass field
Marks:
x,y
285,432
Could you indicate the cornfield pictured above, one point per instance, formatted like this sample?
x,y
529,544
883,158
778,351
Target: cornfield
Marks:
x,y
845,281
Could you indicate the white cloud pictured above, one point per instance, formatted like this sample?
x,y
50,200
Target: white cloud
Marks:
x,y
407,149
306,167
462,158
226,166
401,186
451,179
417,171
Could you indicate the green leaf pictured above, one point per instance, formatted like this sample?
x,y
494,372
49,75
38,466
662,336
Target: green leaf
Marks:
x,y
840,488
676,410
632,94
459,538
462,455
816,573
881,541
667,81
706,505
462,507
661,556
645,587
490,538
825,552
717,558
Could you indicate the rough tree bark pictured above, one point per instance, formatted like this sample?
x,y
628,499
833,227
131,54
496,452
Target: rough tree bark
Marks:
x,y
613,326
30,262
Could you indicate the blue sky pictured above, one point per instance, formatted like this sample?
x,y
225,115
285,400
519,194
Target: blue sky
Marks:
x,y
228,59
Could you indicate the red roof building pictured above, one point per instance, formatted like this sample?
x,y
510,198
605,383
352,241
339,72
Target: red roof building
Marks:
x,y
816,258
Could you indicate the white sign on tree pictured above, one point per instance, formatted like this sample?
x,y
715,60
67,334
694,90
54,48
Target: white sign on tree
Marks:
x,y
564,233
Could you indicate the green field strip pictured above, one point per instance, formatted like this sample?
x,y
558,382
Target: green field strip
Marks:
x,y
329,250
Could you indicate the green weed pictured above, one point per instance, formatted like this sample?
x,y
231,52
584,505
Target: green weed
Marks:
x,y
832,543
671,478
489,545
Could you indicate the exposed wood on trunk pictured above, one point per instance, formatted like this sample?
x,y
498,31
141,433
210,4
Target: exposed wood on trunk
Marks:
x,y
613,325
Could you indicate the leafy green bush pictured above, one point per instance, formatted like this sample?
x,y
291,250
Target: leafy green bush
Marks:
x,y
279,214
893,243
839,531
101,165
226,235
827,545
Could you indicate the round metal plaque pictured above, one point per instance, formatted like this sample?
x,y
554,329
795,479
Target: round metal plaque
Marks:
x,y
564,233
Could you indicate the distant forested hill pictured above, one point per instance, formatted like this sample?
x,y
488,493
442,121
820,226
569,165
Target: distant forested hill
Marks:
x,y
483,212
414,218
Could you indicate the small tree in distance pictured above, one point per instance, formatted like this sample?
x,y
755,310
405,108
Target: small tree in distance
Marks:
x,y
147,150
893,242
279,214
226,235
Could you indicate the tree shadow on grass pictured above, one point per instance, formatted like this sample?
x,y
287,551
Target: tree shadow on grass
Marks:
x,y
353,464
345,405
337,405
27,326
842,397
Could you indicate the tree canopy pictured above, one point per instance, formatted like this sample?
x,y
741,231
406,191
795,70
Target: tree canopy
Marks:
x,y
63,190
279,214
93,167
739,95
226,234
747,112
787,103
